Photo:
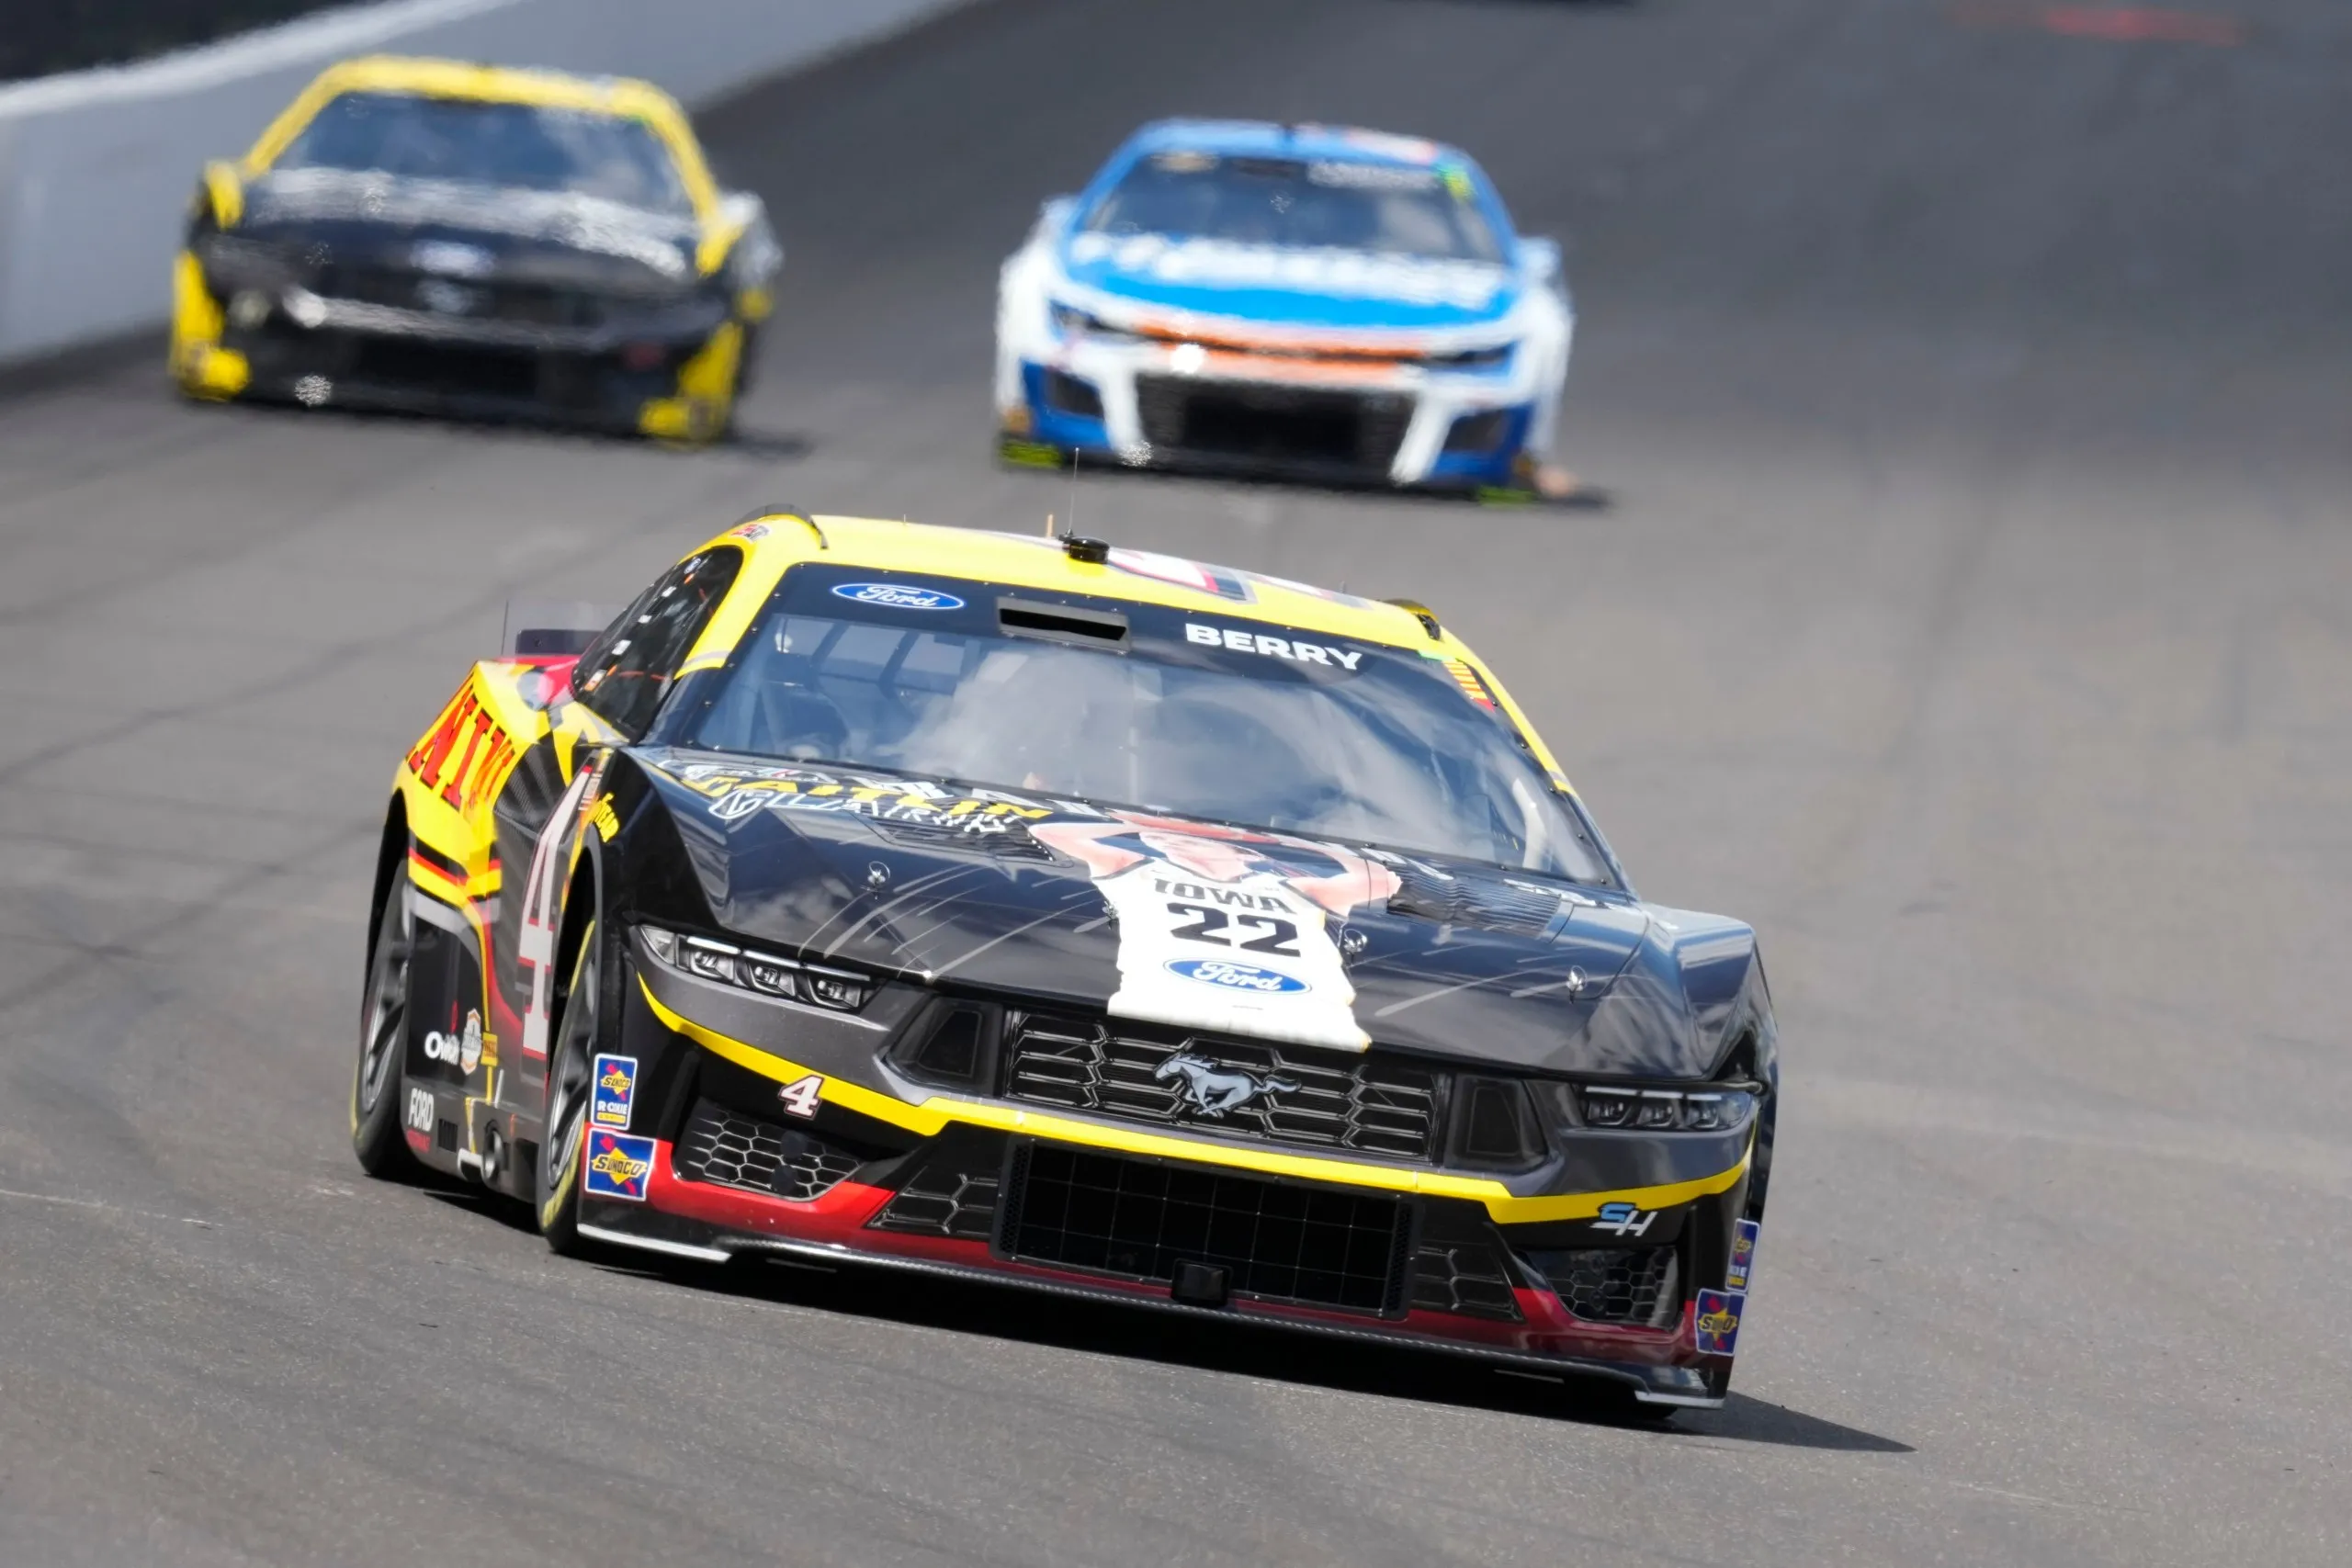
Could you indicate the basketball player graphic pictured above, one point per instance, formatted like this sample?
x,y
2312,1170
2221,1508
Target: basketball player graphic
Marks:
x,y
1227,928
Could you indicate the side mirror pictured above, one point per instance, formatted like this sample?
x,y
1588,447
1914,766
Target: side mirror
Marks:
x,y
1055,210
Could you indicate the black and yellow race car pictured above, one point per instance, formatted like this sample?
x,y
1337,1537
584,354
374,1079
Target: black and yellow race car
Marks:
x,y
1076,918
431,235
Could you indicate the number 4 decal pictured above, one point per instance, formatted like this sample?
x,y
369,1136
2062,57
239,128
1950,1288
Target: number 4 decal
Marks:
x,y
542,909
799,1097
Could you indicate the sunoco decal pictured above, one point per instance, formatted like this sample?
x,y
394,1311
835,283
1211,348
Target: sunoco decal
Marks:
x,y
619,1166
1714,1324
612,1091
1743,1254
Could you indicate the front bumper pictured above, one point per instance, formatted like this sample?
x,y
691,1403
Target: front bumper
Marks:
x,y
1149,403
669,378
718,1167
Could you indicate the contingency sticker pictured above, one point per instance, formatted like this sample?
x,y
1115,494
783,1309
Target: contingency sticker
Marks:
x,y
1743,1254
1224,928
615,1092
1716,1325
619,1166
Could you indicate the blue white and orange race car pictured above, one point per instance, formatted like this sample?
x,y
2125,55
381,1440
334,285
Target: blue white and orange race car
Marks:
x,y
1327,303
1077,918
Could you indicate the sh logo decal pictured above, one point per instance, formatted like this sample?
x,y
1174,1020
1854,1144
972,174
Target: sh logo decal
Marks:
x,y
1625,1219
1212,1091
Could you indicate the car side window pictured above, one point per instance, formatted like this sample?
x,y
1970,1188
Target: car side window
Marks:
x,y
626,672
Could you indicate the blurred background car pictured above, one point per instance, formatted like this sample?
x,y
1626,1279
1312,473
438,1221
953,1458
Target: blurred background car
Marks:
x,y
1320,302
431,235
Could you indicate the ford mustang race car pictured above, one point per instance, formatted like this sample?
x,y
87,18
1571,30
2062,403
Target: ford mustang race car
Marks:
x,y
1330,304
1084,919
423,234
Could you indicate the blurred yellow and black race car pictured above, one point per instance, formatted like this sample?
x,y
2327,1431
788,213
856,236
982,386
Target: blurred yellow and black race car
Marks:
x,y
1075,918
444,237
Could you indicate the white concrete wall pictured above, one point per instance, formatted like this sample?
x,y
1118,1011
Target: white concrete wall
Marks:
x,y
96,166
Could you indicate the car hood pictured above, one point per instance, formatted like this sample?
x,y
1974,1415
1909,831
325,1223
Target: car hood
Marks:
x,y
381,220
1289,286
980,891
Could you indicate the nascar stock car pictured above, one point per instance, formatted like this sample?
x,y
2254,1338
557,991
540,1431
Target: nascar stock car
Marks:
x,y
1325,303
1080,918
431,235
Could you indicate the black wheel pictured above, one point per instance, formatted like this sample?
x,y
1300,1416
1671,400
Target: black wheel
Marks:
x,y
568,1066
377,1084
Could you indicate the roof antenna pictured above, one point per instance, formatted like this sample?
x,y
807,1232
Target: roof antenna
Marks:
x,y
1094,552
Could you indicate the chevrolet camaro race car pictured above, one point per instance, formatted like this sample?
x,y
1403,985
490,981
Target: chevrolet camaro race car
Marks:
x,y
1324,303
1079,918
426,235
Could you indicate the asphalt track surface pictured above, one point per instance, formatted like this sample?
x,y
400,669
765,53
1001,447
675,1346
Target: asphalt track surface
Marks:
x,y
1975,618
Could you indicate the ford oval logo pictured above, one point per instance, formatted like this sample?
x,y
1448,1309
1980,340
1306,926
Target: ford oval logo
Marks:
x,y
897,596
1234,976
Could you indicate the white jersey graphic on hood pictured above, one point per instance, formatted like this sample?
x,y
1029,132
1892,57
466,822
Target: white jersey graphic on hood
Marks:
x,y
1226,930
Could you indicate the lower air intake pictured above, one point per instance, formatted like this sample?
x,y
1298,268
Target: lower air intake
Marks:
x,y
940,1199
1632,1287
1467,1280
1309,1246
731,1149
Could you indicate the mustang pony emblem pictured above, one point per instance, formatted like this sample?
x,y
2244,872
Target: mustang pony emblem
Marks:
x,y
1212,1090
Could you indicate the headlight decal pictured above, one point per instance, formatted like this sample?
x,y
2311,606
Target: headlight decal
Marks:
x,y
761,973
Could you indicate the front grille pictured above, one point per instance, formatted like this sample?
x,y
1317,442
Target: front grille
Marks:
x,y
1639,1287
944,1199
1467,1280
1290,1095
1313,427
1312,1245
731,1149
446,367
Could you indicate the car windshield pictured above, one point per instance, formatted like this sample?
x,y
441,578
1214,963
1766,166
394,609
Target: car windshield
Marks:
x,y
1188,713
516,145
1357,205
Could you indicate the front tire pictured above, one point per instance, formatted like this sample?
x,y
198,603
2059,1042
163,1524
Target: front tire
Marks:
x,y
377,1085
570,1065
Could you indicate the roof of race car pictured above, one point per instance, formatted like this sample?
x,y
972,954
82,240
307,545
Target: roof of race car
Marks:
x,y
1039,561
623,96
778,539
1246,137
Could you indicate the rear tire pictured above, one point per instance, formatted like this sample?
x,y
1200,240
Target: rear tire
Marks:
x,y
569,1062
380,1080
